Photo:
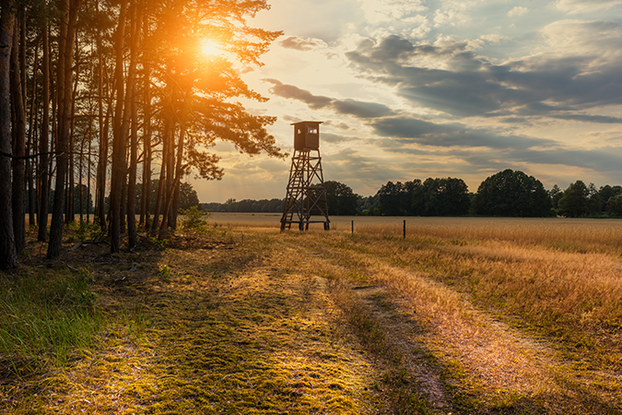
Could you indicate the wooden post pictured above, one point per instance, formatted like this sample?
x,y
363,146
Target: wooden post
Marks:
x,y
404,228
352,227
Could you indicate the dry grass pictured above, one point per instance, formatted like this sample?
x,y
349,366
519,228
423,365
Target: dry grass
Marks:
x,y
484,319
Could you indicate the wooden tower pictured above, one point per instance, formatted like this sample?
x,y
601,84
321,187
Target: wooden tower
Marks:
x,y
306,194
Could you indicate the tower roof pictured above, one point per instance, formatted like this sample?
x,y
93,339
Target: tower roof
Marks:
x,y
307,122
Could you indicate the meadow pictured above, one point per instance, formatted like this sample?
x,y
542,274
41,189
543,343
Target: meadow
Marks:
x,y
463,316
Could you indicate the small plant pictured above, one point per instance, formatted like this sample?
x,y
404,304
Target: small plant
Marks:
x,y
160,243
195,219
165,271
81,231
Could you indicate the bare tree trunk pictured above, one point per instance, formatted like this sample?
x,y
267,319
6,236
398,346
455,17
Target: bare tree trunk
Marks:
x,y
178,175
69,16
102,164
146,191
32,142
170,177
161,184
170,196
43,140
8,253
118,151
19,148
80,193
71,179
88,185
132,105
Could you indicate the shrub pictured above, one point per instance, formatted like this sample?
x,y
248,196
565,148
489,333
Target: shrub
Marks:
x,y
195,219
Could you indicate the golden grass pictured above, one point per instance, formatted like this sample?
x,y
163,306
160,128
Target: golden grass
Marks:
x,y
487,318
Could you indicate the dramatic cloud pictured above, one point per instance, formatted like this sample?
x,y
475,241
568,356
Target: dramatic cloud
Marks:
x,y
414,131
451,78
357,109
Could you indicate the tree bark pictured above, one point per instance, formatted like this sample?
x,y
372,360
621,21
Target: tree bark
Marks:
x,y
161,184
102,164
44,139
8,253
69,17
19,147
132,105
170,196
118,150
32,141
146,190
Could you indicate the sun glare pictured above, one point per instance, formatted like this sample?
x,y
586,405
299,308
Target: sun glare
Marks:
x,y
210,48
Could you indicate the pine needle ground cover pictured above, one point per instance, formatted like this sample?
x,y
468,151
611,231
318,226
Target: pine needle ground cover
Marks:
x,y
333,323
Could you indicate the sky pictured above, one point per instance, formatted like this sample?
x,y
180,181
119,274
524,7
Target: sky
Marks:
x,y
411,89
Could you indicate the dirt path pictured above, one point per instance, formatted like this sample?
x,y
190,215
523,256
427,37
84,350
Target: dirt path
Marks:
x,y
292,323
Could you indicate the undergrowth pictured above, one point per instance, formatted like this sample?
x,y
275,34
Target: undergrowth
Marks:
x,y
47,316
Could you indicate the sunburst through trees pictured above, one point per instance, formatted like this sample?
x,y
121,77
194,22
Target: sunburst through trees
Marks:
x,y
115,93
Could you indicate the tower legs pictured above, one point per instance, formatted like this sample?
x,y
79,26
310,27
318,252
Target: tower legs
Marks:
x,y
306,194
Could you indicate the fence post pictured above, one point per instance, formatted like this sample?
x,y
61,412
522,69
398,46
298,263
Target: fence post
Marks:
x,y
404,228
352,227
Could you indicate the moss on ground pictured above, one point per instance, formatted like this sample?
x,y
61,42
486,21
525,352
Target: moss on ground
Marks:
x,y
224,331
317,323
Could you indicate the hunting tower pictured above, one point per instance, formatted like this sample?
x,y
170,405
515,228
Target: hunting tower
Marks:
x,y
306,194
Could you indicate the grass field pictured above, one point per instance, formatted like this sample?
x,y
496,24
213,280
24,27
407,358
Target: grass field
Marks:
x,y
463,316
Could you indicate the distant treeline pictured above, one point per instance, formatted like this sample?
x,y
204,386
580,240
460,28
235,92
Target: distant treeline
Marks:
x,y
246,205
508,193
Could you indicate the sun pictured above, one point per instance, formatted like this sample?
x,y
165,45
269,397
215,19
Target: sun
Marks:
x,y
210,48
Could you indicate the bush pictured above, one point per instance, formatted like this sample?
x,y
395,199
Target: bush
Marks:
x,y
194,219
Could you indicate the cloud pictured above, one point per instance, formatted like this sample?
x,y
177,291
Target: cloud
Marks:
x,y
302,44
351,166
600,119
357,109
408,130
599,41
334,138
293,92
382,11
494,38
360,109
518,11
577,74
585,6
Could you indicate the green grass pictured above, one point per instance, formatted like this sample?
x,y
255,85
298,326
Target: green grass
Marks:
x,y
47,316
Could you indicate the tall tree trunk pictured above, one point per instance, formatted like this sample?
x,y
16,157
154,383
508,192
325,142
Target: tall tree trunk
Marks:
x,y
170,196
146,190
132,105
88,185
170,177
80,193
162,182
118,150
69,17
71,179
178,174
8,253
44,139
102,163
19,147
32,142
